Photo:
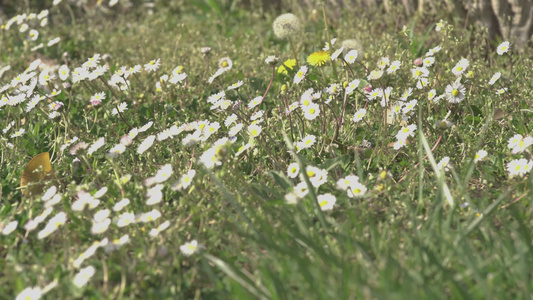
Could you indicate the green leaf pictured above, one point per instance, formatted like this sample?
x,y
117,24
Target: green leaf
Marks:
x,y
215,7
476,110
333,162
281,180
36,129
238,276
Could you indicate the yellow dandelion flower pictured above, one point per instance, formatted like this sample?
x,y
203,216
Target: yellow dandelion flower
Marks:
x,y
290,63
319,58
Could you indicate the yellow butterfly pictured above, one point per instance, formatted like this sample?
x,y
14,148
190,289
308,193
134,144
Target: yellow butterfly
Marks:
x,y
38,169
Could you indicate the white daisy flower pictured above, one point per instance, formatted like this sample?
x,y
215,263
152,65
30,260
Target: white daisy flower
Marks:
x,y
311,111
503,48
326,201
455,92
300,74
146,144
394,66
82,278
480,155
351,56
519,167
189,248
358,116
121,108
292,170
495,78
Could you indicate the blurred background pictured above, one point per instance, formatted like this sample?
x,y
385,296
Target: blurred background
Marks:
x,y
503,19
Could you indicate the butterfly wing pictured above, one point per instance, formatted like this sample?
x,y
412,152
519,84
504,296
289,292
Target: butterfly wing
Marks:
x,y
36,170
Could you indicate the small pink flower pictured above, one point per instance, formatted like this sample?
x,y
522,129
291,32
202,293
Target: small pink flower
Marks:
x,y
126,140
418,61
368,88
78,148
96,102
55,105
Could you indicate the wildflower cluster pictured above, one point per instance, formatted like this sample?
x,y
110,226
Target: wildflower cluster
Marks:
x,y
149,151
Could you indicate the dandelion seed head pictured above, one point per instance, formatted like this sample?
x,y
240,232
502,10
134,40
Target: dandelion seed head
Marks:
x,y
286,25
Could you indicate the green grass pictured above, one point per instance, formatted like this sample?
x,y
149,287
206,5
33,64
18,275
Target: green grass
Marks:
x,y
418,232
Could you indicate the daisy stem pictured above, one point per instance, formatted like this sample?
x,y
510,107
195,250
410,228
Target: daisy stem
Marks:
x,y
206,67
327,35
303,124
293,51
108,87
360,63
318,211
192,158
348,65
116,105
314,84
138,80
268,88
87,86
94,120
434,146
267,148
290,118
87,164
343,108
122,117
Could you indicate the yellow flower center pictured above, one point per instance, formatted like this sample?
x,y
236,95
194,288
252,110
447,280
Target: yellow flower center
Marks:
x,y
459,68
455,92
312,110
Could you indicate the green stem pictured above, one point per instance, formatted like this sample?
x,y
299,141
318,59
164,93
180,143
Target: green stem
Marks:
x,y
293,51
328,37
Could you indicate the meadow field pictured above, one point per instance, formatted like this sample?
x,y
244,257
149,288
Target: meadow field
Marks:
x,y
216,149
